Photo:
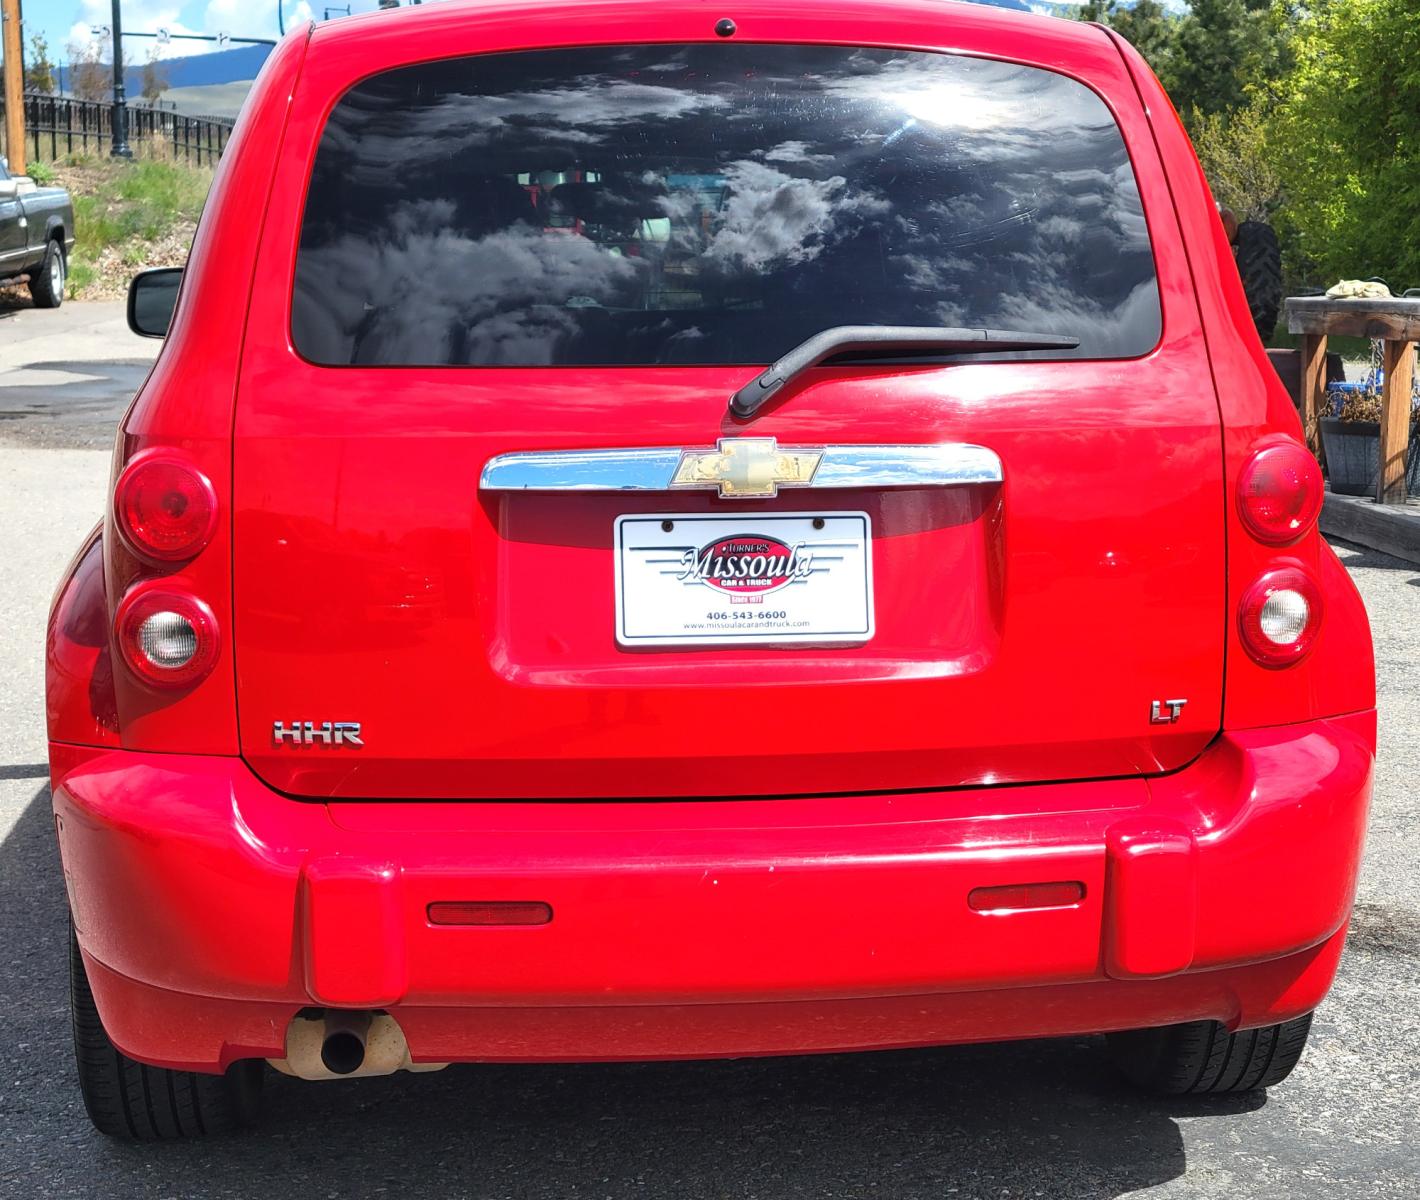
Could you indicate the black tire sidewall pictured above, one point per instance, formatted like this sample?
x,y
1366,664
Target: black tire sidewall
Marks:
x,y
40,289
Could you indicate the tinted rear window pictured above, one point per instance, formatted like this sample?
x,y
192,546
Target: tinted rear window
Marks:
x,y
710,204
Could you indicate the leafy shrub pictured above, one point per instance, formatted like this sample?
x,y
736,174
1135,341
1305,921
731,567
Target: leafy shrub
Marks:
x,y
1345,140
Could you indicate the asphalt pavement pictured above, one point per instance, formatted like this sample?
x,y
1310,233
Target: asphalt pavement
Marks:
x,y
67,374
1032,1119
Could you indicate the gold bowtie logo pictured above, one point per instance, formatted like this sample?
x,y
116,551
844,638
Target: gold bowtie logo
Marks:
x,y
746,468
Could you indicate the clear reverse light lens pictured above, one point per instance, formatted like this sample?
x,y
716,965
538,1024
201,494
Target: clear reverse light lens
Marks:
x,y
167,640
1284,616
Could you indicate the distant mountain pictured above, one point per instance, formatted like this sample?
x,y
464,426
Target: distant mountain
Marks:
x,y
202,70
239,64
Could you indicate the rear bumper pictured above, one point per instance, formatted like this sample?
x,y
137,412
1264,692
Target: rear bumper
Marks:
x,y
211,909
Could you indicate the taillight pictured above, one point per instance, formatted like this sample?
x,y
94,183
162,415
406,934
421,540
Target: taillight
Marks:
x,y
1280,492
166,508
167,638
1279,617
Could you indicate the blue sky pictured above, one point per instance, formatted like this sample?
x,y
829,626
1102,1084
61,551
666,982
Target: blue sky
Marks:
x,y
65,21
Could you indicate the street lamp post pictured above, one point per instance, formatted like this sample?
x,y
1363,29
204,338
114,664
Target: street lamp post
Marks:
x,y
120,103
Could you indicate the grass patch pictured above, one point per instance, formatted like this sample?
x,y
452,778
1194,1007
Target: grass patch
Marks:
x,y
127,216
81,276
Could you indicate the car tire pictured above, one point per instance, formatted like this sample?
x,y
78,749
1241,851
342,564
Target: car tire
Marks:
x,y
47,283
133,1101
1203,1058
1259,258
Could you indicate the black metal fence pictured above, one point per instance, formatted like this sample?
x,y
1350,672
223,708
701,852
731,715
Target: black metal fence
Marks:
x,y
57,125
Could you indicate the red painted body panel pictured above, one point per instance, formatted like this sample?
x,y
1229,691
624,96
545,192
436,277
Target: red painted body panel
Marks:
x,y
1339,674
203,1034
371,577
794,874
237,894
80,703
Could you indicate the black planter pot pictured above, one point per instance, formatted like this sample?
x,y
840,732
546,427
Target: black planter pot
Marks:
x,y
1353,450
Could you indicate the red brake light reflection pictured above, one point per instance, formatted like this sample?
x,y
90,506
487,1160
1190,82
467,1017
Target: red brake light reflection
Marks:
x,y
489,912
1280,492
1016,897
166,508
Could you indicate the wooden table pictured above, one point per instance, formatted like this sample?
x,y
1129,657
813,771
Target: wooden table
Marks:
x,y
1395,322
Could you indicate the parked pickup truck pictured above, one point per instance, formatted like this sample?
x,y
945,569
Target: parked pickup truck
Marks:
x,y
36,235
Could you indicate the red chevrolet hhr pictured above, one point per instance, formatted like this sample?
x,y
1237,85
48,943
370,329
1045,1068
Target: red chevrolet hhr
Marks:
x,y
664,531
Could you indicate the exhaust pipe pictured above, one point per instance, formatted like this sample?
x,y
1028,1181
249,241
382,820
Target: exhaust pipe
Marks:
x,y
342,1050
346,1044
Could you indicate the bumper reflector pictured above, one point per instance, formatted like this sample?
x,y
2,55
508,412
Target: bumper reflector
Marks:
x,y
489,912
1013,897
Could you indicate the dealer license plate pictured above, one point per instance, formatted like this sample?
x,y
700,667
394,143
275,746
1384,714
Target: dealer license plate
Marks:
x,y
694,580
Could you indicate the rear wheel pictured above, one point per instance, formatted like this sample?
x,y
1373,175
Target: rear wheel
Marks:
x,y
1202,1057
130,1100
47,281
1260,264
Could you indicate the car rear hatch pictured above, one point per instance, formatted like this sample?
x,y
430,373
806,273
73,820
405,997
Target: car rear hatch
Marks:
x,y
498,535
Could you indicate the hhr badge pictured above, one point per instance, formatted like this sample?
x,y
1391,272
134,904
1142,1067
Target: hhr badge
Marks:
x,y
308,733
746,468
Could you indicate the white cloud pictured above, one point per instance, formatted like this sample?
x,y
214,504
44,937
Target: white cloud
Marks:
x,y
239,18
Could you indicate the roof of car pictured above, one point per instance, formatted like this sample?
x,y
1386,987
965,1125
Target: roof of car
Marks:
x,y
951,17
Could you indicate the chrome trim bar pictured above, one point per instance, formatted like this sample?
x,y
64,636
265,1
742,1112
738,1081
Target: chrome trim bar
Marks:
x,y
950,464
581,471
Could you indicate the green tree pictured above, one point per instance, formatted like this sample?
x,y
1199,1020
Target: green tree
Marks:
x,y
1212,44
1239,158
1214,58
155,80
89,77
39,70
1347,139
1146,26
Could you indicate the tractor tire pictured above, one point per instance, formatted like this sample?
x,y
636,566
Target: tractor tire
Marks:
x,y
1259,259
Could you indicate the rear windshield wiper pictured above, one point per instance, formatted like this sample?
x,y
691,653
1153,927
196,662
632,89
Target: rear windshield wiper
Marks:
x,y
846,339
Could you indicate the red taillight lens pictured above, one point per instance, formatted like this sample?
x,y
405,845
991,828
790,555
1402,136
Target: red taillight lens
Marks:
x,y
168,639
1280,493
166,508
1280,616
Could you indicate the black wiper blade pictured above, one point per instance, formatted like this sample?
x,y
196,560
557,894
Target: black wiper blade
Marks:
x,y
845,339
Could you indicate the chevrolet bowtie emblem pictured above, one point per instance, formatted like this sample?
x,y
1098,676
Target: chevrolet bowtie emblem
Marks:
x,y
746,468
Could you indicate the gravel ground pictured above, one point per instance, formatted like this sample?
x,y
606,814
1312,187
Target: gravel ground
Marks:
x,y
1038,1119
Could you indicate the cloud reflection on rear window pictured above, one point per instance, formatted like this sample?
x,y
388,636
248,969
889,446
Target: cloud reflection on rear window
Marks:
x,y
712,204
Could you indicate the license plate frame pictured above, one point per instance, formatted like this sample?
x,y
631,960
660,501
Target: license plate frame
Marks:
x,y
815,585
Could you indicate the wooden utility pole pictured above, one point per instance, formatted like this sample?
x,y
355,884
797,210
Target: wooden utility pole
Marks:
x,y
14,87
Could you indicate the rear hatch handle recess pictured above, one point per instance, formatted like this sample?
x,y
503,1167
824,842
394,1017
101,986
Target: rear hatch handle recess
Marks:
x,y
881,339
